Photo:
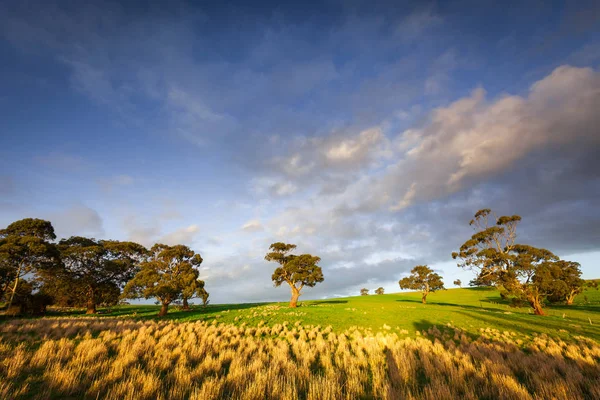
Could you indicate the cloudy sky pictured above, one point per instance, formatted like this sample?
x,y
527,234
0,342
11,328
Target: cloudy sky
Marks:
x,y
367,133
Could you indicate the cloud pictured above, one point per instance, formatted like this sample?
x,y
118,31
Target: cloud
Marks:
x,y
185,236
473,139
77,220
252,226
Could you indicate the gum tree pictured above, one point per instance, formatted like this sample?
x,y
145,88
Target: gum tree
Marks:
x,y
424,279
380,290
25,247
364,292
167,275
521,270
96,270
296,271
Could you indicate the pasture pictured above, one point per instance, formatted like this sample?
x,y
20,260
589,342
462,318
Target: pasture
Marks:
x,y
465,343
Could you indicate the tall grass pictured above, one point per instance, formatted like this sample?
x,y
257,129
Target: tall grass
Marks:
x,y
127,359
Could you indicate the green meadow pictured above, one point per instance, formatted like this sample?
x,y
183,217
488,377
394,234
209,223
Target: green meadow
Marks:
x,y
471,309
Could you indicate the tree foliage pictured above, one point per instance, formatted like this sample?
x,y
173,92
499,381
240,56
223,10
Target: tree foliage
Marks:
x,y
95,270
424,279
529,273
25,248
296,271
379,290
168,274
364,292
458,283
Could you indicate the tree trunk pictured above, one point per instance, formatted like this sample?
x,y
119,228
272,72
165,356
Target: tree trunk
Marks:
x,y
295,295
14,289
164,309
186,306
570,298
424,298
91,307
91,303
536,304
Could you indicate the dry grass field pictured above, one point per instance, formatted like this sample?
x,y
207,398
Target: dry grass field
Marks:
x,y
111,358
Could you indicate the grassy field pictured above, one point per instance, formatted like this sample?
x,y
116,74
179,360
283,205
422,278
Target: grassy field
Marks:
x,y
464,344
470,309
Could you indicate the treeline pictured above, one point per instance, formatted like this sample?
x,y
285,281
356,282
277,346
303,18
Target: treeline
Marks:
x,y
36,271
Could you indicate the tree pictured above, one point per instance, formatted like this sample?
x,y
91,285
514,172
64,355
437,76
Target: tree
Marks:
x,y
203,294
379,290
192,287
96,270
25,247
296,271
458,283
481,281
566,282
519,270
364,292
165,275
422,278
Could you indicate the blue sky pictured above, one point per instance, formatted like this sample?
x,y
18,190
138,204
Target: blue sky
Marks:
x,y
367,133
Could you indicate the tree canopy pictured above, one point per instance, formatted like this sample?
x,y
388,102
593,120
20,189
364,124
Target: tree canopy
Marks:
x,y
424,279
529,273
25,247
364,292
380,290
296,271
95,270
168,274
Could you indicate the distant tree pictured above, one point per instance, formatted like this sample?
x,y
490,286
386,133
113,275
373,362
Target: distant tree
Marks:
x,y
364,292
165,275
203,294
481,281
518,270
458,283
296,271
95,270
25,247
380,290
424,279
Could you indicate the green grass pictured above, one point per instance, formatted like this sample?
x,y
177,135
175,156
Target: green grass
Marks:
x,y
471,309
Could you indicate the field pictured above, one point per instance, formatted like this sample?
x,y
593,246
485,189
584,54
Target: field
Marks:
x,y
465,343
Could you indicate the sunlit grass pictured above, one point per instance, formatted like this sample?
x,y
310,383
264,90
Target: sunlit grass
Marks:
x,y
128,359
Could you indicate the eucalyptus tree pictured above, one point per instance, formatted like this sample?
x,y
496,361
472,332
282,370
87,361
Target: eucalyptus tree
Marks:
x,y
96,270
296,271
526,272
168,274
424,279
25,247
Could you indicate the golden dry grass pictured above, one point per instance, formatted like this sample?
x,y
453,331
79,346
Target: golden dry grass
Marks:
x,y
126,359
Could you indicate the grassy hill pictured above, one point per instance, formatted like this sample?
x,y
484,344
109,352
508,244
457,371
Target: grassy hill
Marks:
x,y
471,309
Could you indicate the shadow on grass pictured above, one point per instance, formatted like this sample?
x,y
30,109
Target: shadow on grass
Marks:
x,y
530,324
327,302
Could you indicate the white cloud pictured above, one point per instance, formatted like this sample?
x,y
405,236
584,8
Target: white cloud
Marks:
x,y
185,236
252,226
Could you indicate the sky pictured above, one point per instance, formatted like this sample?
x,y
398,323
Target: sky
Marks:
x,y
367,133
